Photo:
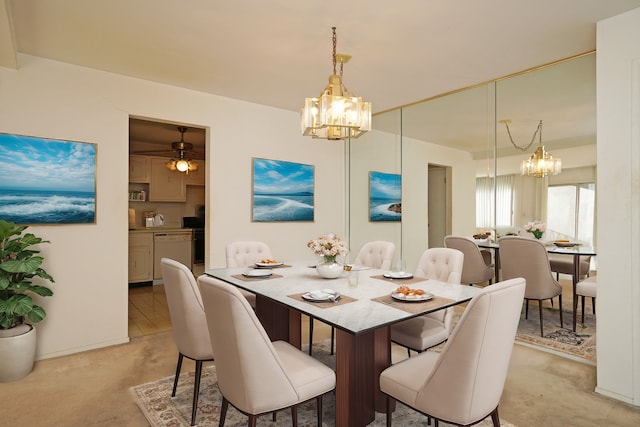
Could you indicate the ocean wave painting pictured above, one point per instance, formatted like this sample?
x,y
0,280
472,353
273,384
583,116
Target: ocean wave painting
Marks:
x,y
385,197
47,181
282,191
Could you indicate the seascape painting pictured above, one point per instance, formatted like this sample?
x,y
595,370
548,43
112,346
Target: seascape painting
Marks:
x,y
385,196
47,181
282,191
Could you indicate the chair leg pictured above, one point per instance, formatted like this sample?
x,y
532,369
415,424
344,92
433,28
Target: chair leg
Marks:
x,y
196,391
526,310
223,411
310,334
319,409
252,420
175,380
593,305
495,418
582,301
333,335
540,309
560,308
294,415
389,411
408,352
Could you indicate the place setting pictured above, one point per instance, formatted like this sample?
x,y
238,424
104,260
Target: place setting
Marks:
x,y
412,300
323,297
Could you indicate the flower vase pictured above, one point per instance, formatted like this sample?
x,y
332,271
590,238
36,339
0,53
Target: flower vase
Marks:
x,y
329,268
537,234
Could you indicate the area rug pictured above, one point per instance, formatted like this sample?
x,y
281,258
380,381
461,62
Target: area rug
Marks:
x,y
161,410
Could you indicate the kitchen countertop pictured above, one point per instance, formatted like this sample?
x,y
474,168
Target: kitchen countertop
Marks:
x,y
157,229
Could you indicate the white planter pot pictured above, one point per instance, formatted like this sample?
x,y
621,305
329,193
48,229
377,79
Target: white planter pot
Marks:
x,y
17,354
329,269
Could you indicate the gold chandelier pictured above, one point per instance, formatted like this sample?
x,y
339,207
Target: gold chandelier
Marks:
x,y
539,164
337,113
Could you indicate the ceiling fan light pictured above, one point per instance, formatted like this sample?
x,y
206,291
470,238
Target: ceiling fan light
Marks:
x,y
182,165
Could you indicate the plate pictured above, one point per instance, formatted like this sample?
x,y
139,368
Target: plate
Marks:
x,y
269,264
398,275
321,296
412,298
565,244
257,273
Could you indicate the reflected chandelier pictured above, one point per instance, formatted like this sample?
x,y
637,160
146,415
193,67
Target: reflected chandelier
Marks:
x,y
539,164
337,113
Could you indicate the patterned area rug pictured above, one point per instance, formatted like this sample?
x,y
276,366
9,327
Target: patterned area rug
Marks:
x,y
161,410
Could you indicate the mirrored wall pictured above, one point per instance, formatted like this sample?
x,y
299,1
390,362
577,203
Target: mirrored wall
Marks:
x,y
441,146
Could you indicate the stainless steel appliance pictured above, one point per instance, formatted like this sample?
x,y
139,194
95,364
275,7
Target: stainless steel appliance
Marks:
x,y
171,244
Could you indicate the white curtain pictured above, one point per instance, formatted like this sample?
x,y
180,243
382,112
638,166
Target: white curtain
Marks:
x,y
504,201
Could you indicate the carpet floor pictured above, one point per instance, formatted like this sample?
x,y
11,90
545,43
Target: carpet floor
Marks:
x,y
161,410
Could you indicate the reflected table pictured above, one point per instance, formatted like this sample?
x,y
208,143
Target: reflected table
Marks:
x,y
575,251
361,316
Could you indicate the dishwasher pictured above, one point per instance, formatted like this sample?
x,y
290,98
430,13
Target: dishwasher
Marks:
x,y
171,244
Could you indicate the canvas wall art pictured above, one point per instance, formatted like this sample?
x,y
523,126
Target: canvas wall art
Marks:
x,y
385,196
47,181
282,191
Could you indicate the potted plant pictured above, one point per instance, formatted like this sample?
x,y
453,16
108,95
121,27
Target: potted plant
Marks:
x,y
21,277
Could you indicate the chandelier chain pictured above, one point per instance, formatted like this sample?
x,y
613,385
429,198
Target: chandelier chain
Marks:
x,y
335,43
533,138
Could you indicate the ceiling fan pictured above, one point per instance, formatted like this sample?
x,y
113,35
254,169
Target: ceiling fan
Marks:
x,y
181,152
179,149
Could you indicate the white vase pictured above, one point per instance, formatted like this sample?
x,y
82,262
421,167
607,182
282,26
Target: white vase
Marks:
x,y
329,269
17,354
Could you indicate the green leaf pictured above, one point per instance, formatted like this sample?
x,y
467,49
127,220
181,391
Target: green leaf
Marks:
x,y
27,265
37,314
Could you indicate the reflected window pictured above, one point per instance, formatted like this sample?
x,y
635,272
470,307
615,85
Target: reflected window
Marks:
x,y
504,201
571,209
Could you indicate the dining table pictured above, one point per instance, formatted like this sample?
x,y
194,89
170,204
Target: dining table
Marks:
x,y
360,315
575,250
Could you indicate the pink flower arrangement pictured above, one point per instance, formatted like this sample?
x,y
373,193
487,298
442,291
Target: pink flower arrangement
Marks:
x,y
329,246
537,228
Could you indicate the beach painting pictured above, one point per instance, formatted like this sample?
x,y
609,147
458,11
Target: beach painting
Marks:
x,y
385,197
282,191
47,181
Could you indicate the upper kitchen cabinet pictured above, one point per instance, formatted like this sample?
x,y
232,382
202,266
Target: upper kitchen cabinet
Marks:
x,y
139,169
197,177
166,185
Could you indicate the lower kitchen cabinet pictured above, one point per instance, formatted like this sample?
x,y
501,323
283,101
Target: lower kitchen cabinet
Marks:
x,y
140,257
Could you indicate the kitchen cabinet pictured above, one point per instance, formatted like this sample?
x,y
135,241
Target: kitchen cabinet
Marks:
x,y
197,177
140,257
166,185
139,169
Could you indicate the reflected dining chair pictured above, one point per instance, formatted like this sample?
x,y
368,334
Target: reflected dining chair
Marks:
x,y
188,322
377,254
462,385
244,254
587,288
255,375
527,258
423,332
475,269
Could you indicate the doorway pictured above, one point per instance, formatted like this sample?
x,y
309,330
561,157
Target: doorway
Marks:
x,y
438,204
154,150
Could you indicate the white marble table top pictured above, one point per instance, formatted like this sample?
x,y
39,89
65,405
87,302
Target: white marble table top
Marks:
x,y
356,316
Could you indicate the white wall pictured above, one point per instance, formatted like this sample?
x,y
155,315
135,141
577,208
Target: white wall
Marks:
x,y
89,262
618,302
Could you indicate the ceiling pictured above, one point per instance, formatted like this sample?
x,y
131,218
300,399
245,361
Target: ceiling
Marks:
x,y
278,52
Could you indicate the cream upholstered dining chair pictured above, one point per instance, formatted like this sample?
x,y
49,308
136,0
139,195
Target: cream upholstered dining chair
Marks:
x,y
527,258
188,322
462,385
475,269
587,288
377,254
255,375
563,264
244,254
423,332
